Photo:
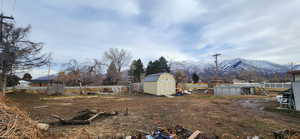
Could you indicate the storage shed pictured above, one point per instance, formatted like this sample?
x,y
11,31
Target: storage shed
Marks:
x,y
296,85
234,90
160,84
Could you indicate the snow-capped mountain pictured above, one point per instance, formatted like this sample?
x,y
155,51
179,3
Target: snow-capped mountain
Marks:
x,y
190,66
233,65
240,64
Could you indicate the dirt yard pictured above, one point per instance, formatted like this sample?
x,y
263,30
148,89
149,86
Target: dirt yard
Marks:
x,y
239,116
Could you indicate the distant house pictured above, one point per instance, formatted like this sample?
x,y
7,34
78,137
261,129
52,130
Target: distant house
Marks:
x,y
42,81
237,81
23,83
296,73
160,84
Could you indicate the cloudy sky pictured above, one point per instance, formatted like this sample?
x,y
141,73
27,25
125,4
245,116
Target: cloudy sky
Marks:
x,y
177,29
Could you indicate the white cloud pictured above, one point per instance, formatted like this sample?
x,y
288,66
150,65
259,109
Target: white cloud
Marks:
x,y
128,7
169,12
256,29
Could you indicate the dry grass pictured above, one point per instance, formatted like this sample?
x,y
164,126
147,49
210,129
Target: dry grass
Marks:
x,y
16,124
210,114
66,97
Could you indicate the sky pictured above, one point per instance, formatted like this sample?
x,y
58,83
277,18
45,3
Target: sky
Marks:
x,y
180,30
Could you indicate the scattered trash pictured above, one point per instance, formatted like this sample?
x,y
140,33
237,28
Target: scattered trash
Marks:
x,y
287,100
286,134
43,126
182,93
195,134
177,133
187,92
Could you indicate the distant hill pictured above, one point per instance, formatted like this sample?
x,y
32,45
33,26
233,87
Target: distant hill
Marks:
x,y
233,65
240,64
190,66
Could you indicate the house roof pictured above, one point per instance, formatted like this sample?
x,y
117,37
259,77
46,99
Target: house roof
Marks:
x,y
296,70
297,67
46,78
40,81
152,77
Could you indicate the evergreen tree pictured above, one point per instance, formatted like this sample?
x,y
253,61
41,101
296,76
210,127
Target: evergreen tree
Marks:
x,y
163,65
158,66
13,80
149,69
195,78
136,70
27,77
112,75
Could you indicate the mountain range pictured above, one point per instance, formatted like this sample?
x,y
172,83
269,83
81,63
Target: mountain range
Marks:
x,y
233,65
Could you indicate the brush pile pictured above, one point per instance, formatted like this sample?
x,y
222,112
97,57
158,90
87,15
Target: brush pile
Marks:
x,y
15,123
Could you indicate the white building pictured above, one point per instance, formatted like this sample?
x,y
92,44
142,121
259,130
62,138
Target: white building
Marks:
x,y
296,85
23,84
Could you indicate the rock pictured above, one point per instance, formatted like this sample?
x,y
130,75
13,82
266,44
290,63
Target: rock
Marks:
x,y
43,126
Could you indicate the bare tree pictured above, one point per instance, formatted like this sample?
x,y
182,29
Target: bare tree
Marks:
x,y
18,52
84,73
112,75
181,76
119,57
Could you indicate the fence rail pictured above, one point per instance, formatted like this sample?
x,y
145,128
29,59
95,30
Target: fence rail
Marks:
x,y
267,85
69,87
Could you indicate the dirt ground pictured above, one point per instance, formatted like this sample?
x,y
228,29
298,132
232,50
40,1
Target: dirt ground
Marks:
x,y
239,116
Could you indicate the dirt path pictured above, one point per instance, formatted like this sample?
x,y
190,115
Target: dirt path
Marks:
x,y
212,115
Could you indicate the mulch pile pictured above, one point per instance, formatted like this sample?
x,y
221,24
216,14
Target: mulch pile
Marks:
x,y
14,123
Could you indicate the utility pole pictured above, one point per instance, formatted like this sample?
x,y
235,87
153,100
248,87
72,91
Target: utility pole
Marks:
x,y
292,66
3,62
49,71
291,70
217,66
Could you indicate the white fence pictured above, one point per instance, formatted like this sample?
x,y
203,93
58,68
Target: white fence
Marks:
x,y
227,91
114,88
267,85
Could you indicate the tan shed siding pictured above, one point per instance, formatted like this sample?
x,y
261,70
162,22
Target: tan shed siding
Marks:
x,y
150,87
166,85
297,77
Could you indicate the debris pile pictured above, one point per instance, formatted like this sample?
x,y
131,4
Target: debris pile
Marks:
x,y
286,134
84,117
15,123
178,132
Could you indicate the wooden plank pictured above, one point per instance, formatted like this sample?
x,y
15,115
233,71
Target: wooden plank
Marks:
x,y
195,134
